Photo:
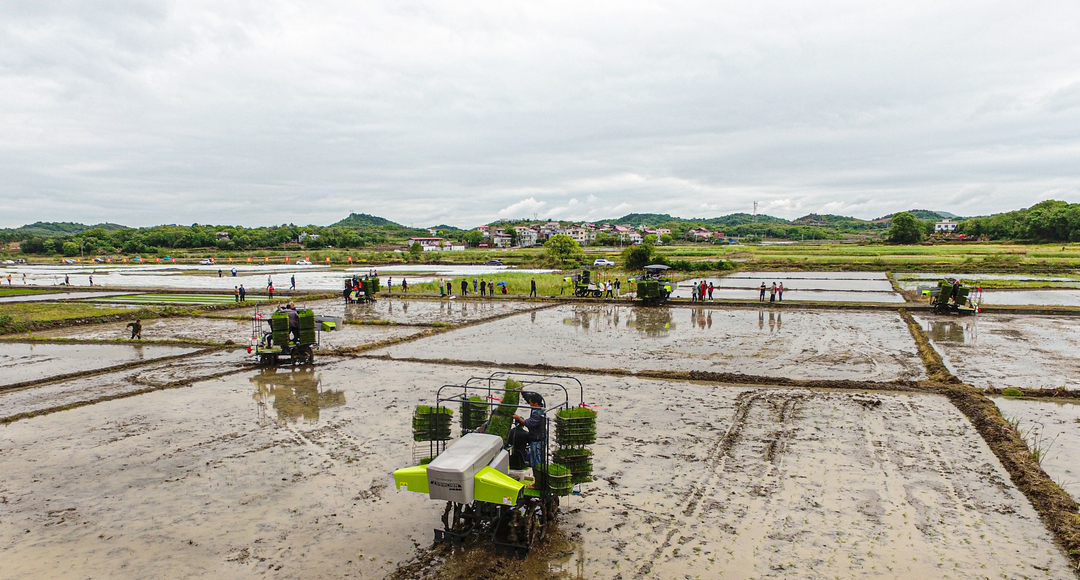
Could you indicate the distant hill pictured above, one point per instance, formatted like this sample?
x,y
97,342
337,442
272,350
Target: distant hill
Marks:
x,y
363,220
640,219
62,228
446,228
923,214
657,219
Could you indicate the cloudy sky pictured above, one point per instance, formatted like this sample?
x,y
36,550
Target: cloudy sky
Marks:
x,y
265,112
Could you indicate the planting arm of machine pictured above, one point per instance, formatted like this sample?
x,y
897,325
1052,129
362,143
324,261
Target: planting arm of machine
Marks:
x,y
473,468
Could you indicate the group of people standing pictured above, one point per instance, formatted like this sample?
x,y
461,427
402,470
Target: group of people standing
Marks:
x,y
776,293
701,291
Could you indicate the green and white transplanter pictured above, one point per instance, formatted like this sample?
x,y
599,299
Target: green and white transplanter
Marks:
x,y
488,488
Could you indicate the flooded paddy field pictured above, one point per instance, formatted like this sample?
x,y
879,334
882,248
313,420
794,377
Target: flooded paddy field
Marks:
x,y
115,384
409,311
1031,297
795,344
285,473
685,291
21,361
1006,350
220,331
1053,428
699,481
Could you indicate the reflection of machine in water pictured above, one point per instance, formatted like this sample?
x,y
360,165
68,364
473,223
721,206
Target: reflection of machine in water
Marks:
x,y
950,331
295,391
651,321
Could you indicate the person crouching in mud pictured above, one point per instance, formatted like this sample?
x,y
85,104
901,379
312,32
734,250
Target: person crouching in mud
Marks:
x,y
536,424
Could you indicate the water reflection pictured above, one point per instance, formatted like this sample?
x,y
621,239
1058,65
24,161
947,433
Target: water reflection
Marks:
x,y
776,321
295,392
952,331
652,321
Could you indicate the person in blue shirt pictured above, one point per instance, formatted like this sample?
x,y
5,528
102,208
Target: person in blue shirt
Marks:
x,y
537,426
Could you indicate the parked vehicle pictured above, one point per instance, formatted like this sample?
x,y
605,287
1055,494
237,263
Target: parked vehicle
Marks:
x,y
303,262
602,262
206,262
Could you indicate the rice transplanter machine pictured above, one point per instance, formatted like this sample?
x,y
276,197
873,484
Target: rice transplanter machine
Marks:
x,y
485,477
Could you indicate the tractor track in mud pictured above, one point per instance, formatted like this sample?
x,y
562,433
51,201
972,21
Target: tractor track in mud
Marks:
x,y
766,462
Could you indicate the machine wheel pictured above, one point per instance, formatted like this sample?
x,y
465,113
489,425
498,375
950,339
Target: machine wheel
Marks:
x,y
597,293
303,355
537,524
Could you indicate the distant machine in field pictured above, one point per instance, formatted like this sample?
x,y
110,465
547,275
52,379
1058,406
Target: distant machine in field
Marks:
x,y
273,342
499,480
952,297
654,287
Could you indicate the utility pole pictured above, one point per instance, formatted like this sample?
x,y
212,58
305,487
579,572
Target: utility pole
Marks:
x,y
755,212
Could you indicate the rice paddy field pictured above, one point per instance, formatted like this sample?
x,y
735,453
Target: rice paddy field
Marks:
x,y
733,441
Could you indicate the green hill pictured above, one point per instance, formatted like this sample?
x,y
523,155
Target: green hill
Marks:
x,y
363,220
62,228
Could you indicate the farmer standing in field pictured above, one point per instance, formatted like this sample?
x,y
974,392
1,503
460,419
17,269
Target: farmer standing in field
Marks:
x,y
761,297
532,286
772,293
243,293
292,280
236,293
780,292
136,329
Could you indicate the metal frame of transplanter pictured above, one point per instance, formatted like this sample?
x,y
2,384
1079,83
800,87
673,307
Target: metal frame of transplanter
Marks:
x,y
512,528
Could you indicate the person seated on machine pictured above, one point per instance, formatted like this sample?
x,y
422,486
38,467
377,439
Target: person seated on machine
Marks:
x,y
536,423
294,321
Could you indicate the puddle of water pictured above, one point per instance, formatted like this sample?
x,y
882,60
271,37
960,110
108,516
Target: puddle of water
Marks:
x,y
796,344
1053,427
914,276
999,350
20,362
692,479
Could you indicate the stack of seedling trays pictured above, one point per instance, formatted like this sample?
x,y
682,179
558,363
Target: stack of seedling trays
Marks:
x,y
307,326
431,423
503,419
279,328
578,460
555,477
474,411
575,429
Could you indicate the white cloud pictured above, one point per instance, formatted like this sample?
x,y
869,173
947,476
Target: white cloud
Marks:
x,y
432,112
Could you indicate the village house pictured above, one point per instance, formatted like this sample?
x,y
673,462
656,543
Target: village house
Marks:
x,y
527,237
945,226
426,243
699,234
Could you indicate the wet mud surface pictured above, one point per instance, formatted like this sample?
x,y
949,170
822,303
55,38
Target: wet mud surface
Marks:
x,y
848,281
422,312
284,473
697,481
222,330
1032,297
273,474
1053,428
1000,351
38,398
795,344
21,362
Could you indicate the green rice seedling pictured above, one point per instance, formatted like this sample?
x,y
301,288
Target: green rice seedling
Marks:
x,y
1012,392
431,423
474,412
500,425
510,399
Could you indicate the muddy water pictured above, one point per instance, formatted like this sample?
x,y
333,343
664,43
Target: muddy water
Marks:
x,y
800,295
113,384
1053,428
221,330
401,311
848,281
285,474
818,344
1032,297
697,481
20,362
278,474
998,350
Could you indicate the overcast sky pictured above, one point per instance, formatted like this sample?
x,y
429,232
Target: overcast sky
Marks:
x,y
264,112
